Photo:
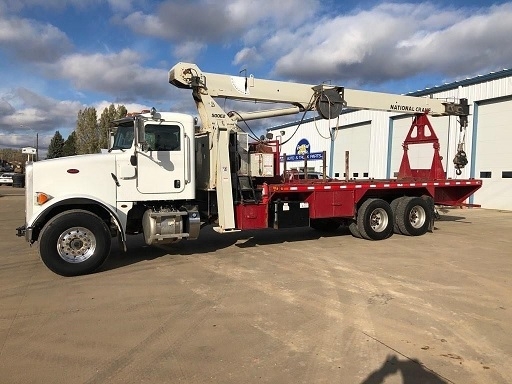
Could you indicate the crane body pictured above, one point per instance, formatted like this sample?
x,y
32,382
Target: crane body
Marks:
x,y
166,177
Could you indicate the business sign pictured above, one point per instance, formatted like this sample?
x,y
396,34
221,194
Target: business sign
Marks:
x,y
303,149
29,150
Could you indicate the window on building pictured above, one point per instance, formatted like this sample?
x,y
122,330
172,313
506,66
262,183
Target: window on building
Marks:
x,y
506,175
485,174
365,174
336,174
355,174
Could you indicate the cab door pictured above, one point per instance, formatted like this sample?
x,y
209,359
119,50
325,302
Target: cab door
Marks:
x,y
161,168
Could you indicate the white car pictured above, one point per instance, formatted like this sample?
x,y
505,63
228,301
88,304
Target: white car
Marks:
x,y
6,178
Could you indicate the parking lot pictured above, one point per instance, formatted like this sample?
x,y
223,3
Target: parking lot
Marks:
x,y
289,306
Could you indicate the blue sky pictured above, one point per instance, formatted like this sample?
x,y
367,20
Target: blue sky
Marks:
x,y
57,56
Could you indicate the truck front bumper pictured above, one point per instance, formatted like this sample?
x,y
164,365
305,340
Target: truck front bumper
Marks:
x,y
23,231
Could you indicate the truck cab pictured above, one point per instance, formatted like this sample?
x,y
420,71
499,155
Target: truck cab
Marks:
x,y
142,183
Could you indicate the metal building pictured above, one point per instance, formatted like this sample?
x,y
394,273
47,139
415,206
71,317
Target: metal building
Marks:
x,y
374,139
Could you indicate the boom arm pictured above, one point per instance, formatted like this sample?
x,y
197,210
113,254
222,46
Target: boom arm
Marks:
x,y
327,100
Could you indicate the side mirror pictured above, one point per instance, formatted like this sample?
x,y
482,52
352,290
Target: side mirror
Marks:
x,y
141,135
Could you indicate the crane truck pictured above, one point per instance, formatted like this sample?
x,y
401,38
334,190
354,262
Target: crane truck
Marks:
x,y
166,176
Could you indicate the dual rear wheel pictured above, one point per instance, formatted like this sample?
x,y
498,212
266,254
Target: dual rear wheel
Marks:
x,y
377,219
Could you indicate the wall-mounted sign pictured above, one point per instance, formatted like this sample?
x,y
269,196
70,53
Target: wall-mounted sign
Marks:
x,y
303,149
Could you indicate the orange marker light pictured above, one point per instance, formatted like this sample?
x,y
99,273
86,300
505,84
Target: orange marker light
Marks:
x,y
42,198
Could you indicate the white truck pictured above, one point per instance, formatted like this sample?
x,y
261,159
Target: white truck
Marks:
x,y
166,176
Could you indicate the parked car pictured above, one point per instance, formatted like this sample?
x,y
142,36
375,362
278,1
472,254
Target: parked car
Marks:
x,y
311,175
293,174
6,178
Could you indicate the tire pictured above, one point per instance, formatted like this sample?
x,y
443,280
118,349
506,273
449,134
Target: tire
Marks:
x,y
375,219
324,225
74,243
354,230
414,216
394,206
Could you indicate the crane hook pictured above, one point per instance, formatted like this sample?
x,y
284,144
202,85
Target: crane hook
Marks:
x,y
460,160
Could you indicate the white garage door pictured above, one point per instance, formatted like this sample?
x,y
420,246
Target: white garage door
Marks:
x,y
420,155
493,161
355,139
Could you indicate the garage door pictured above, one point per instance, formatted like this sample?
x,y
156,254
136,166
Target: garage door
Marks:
x,y
420,155
355,139
493,160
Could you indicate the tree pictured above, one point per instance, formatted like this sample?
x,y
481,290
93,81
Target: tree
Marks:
x,y
87,135
69,147
14,157
55,149
107,116
10,155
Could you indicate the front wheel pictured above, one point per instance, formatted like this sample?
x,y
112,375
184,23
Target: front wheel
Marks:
x,y
74,243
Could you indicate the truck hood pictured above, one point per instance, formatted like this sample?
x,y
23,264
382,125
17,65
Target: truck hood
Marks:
x,y
77,175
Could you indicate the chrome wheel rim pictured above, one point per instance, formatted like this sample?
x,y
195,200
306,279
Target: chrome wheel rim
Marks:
x,y
379,220
76,245
417,216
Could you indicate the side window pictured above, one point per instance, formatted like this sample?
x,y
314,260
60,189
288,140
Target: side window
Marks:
x,y
163,137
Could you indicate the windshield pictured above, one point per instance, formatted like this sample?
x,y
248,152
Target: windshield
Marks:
x,y
124,137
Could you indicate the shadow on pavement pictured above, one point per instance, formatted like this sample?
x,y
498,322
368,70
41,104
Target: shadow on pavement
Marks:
x,y
209,241
460,219
411,370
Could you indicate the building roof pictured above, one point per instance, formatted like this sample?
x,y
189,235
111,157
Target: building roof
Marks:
x,y
463,83
427,91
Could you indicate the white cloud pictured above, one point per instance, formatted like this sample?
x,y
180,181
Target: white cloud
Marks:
x,y
189,50
221,20
33,41
395,41
121,5
17,140
26,110
17,5
149,25
25,114
130,107
273,14
119,74
309,41
247,56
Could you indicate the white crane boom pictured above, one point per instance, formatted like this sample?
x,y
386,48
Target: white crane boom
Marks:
x,y
327,100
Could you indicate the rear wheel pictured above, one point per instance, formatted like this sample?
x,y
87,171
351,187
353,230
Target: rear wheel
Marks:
x,y
413,216
74,243
394,206
354,230
375,219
